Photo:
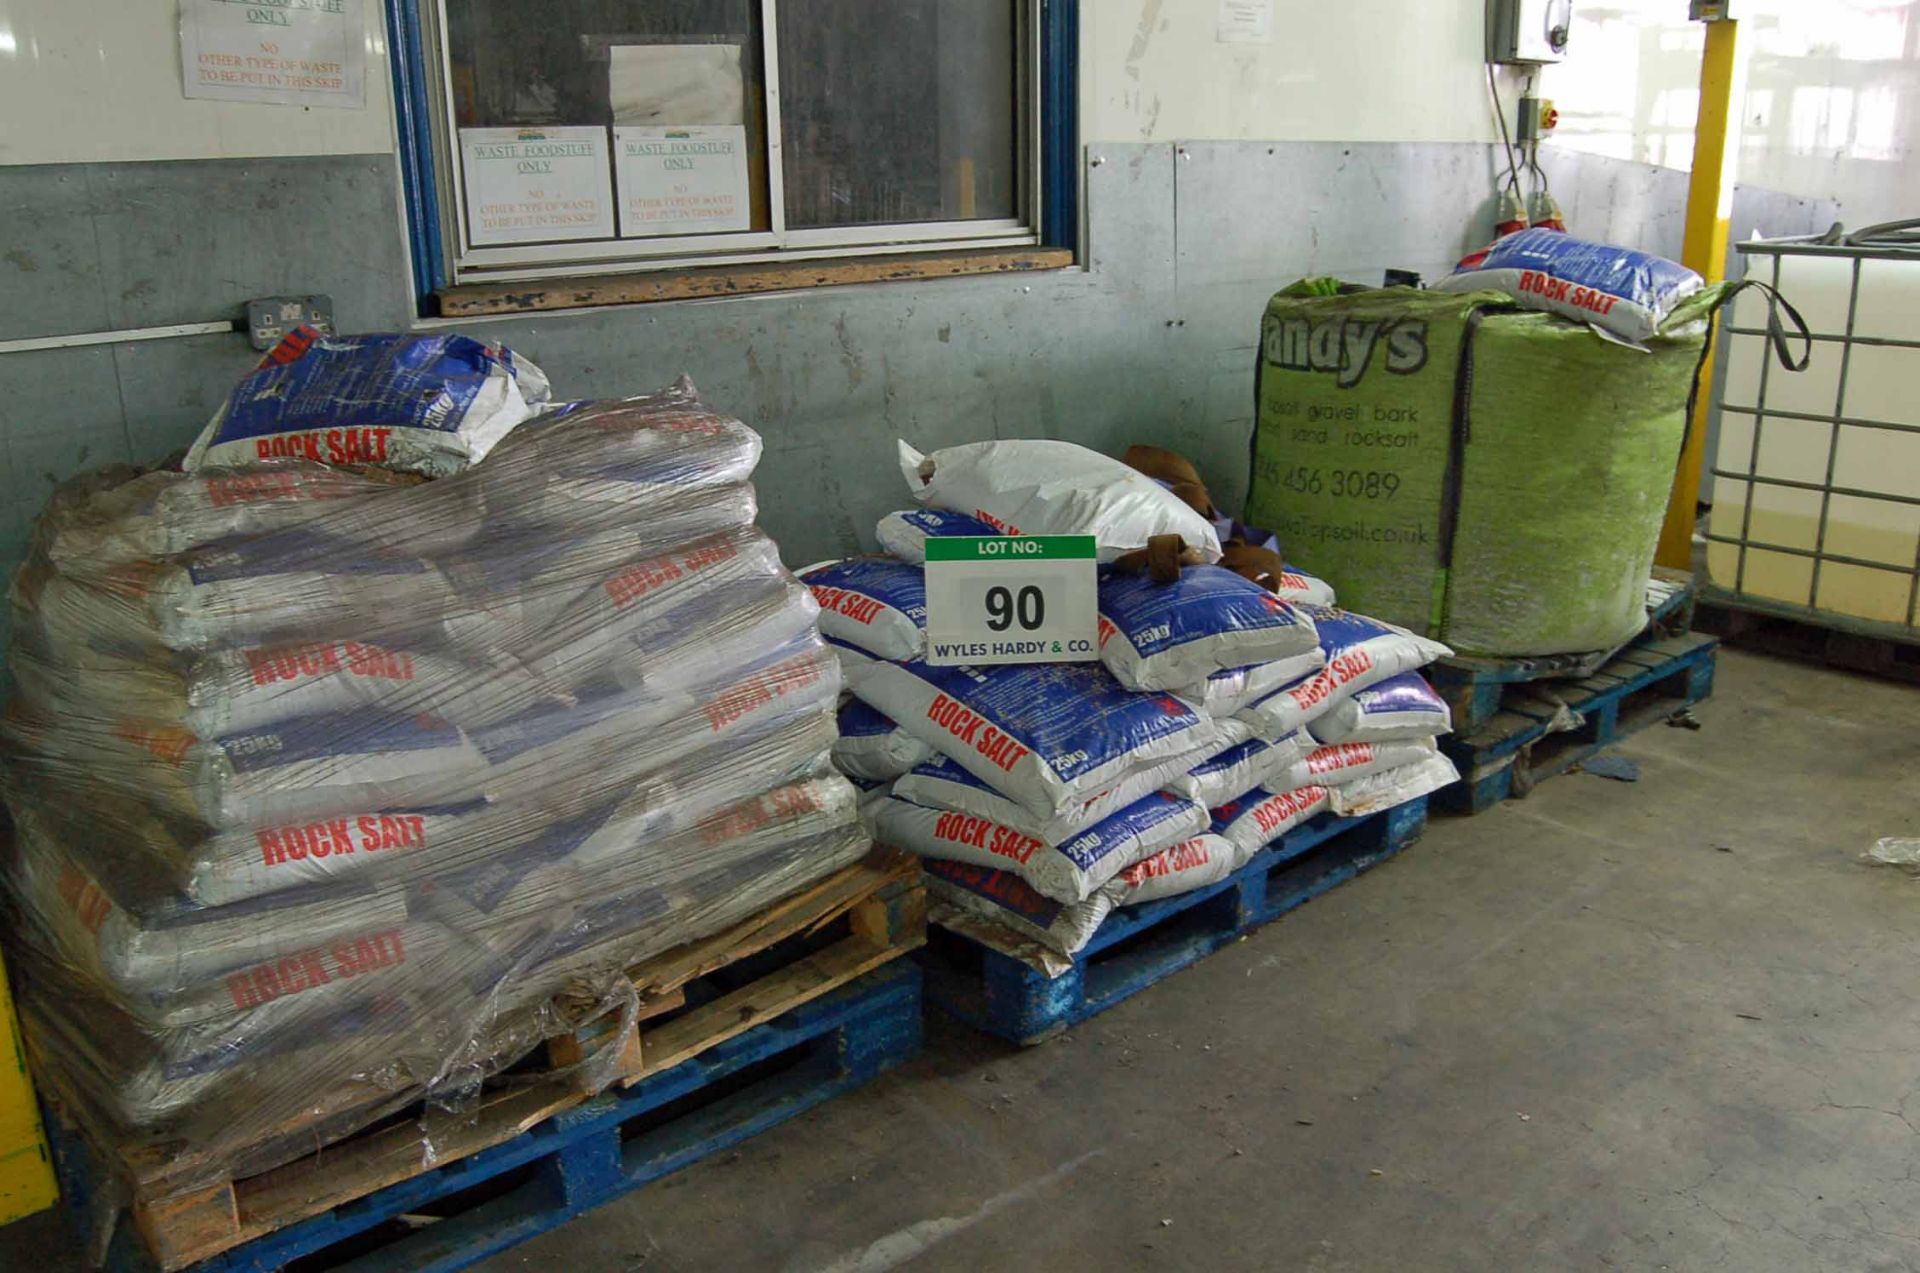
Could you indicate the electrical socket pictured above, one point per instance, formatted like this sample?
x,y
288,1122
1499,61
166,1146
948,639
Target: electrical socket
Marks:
x,y
272,317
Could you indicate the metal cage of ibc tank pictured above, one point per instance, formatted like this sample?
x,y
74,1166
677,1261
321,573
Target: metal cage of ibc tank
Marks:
x,y
1746,564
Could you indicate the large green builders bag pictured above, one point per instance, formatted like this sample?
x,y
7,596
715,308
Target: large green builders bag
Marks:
x,y
1491,477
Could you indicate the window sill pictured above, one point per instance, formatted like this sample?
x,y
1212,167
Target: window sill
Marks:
x,y
475,299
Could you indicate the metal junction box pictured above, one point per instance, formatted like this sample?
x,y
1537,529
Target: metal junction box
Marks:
x,y
1528,32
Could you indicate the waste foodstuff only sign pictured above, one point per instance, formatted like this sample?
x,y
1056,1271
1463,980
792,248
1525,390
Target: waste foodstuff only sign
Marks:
x,y
293,52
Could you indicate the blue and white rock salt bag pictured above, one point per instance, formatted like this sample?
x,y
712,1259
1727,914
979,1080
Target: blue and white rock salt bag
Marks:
x,y
1164,636
1049,736
1359,651
1390,787
1298,585
431,404
1068,872
1262,816
872,747
1617,290
940,783
1338,763
1224,693
874,603
1065,928
318,765
1239,769
905,533
1402,706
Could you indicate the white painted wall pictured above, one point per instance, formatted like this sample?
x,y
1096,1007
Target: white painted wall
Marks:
x,y
100,80
95,80
1832,107
1332,70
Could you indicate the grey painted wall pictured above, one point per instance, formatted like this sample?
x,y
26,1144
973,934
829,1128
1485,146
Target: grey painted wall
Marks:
x,y
1153,340
100,247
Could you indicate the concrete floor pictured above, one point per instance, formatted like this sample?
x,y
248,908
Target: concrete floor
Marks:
x,y
1671,1025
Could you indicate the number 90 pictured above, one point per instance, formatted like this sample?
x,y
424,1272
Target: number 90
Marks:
x,y
1004,609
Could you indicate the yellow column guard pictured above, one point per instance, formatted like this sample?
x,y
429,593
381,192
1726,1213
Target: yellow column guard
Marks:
x,y
26,1175
1716,141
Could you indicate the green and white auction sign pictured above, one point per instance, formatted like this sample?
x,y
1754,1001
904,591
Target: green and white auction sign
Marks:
x,y
1012,599
536,185
681,180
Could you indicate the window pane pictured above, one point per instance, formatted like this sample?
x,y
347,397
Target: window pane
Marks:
x,y
597,119
899,110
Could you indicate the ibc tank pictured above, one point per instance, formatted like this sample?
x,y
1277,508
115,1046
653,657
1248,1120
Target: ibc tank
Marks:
x,y
1816,495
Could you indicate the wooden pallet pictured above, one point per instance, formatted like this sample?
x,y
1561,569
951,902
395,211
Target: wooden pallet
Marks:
x,y
988,978
885,915
1474,688
1523,743
537,1157
694,1000
1856,645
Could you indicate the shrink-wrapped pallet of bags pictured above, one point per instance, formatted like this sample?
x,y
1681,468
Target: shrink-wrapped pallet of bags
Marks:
x,y
410,702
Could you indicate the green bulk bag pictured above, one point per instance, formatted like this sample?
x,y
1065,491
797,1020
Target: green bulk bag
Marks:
x,y
1491,477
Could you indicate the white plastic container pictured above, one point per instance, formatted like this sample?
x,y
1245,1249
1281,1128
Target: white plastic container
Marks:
x,y
1817,476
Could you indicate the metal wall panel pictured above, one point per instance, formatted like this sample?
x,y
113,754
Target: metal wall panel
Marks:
x,y
60,414
1774,216
102,247
172,387
49,253
1252,217
96,247
1249,212
1617,201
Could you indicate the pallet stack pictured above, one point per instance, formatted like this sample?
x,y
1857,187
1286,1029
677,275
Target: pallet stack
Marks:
x,y
1240,745
336,790
1518,721
815,982
988,978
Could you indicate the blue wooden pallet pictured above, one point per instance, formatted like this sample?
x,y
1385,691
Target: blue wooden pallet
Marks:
x,y
586,1155
1644,684
1475,688
1140,945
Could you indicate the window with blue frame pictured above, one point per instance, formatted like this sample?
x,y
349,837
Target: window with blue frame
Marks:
x,y
553,138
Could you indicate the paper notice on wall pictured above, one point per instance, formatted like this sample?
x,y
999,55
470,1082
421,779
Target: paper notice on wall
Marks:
x,y
294,52
681,180
676,84
1245,22
536,185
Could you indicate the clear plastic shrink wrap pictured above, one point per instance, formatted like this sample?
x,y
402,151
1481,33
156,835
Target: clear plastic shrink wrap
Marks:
x,y
329,785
